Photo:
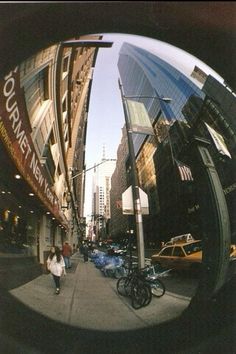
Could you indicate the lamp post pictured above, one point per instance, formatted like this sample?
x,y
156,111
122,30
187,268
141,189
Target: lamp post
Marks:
x,y
135,183
68,200
165,99
90,168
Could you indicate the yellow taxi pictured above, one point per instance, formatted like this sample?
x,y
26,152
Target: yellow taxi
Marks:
x,y
184,256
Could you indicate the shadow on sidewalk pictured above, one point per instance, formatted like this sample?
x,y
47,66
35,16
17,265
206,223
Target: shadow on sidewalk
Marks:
x,y
200,329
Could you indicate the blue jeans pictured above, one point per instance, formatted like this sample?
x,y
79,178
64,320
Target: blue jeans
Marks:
x,y
56,280
67,261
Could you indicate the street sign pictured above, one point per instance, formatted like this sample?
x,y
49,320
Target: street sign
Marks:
x,y
139,118
218,141
127,202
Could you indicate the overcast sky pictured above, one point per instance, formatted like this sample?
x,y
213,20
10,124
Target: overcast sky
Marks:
x,y
106,117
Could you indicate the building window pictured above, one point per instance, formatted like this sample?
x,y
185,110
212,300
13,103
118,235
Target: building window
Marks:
x,y
48,162
65,64
37,91
64,105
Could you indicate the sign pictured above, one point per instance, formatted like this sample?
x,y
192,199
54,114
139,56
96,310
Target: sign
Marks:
x,y
139,118
15,132
127,202
218,141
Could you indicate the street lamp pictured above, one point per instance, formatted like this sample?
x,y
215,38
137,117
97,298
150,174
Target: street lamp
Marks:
x,y
68,200
135,184
90,168
87,43
165,99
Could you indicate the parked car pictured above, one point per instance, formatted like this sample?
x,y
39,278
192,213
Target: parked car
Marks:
x,y
184,256
117,250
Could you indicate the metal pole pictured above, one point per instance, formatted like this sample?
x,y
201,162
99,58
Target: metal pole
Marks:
x,y
135,185
90,168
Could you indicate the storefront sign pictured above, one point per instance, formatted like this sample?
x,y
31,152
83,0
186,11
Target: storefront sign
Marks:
x,y
15,133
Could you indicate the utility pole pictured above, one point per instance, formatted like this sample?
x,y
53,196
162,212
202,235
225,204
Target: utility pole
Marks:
x,y
135,185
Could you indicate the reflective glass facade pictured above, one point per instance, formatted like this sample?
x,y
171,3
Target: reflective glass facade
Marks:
x,y
144,74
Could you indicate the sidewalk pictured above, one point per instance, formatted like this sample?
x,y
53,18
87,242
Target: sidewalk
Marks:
x,y
89,300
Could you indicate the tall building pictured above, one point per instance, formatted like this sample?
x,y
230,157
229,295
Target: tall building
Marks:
x,y
145,74
75,74
119,224
101,205
44,104
213,119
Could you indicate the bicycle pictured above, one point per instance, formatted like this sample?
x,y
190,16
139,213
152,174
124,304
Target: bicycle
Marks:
x,y
151,277
135,286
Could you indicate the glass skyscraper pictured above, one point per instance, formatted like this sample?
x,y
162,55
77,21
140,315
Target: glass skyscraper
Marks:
x,y
176,207
145,74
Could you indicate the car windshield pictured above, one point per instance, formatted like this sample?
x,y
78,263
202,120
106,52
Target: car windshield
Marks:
x,y
193,247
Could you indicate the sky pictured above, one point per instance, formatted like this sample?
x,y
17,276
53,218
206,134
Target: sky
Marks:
x,y
106,116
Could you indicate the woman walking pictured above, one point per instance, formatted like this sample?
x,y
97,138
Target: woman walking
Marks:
x,y
56,265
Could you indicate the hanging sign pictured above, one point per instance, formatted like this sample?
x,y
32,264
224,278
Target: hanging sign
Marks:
x,y
139,118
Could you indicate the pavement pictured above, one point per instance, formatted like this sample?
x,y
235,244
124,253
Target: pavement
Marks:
x,y
89,317
89,300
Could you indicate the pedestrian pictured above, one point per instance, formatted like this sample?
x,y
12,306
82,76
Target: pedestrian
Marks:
x,y
85,252
81,248
67,252
56,266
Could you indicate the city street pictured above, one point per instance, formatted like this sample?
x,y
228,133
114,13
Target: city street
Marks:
x,y
88,299
181,284
117,134
89,316
177,283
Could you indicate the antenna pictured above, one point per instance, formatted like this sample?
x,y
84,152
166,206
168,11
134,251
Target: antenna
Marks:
x,y
103,152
